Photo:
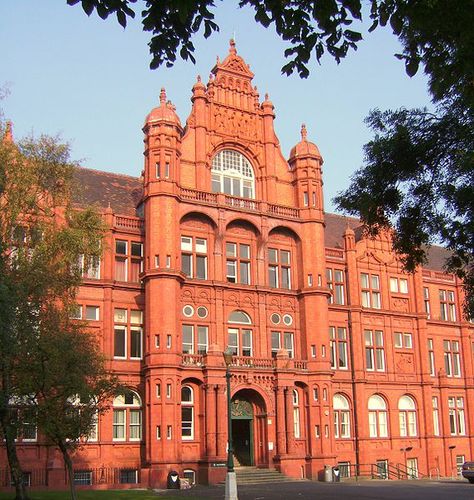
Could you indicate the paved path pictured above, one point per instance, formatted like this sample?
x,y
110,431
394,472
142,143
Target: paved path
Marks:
x,y
309,490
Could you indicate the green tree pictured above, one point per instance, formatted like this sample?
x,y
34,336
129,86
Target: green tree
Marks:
x,y
419,167
71,386
41,238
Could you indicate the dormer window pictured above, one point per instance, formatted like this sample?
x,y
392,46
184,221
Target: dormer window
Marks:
x,y
232,174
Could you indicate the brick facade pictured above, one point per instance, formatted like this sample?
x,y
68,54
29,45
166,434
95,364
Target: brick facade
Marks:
x,y
339,357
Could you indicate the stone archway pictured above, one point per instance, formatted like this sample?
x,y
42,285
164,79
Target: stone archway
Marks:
x,y
249,428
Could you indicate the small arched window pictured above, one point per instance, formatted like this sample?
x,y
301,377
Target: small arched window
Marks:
x,y
127,405
342,416
232,174
378,425
240,339
407,416
187,412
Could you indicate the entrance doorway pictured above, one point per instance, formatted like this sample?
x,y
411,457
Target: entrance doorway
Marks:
x,y
242,438
249,428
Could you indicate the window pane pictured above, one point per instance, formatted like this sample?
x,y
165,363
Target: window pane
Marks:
x,y
92,313
231,250
285,257
285,277
364,280
187,331
202,339
201,245
244,251
136,317
136,343
273,276
121,247
186,243
186,265
120,269
246,342
245,273
272,255
119,342
137,249
201,267
231,271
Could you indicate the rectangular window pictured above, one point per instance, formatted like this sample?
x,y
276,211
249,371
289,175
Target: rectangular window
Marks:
x,y
119,425
452,358
90,266
120,342
374,350
128,476
83,477
128,323
76,312
191,344
92,313
398,285
288,343
194,257
187,422
279,268
135,425
426,299
457,424
435,416
370,289
335,282
447,305
338,348
238,263
128,260
431,357
403,340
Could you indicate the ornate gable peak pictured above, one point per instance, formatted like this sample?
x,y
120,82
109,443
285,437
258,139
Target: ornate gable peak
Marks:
x,y
234,64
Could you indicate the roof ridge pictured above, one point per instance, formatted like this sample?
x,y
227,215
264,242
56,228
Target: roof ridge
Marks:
x,y
105,172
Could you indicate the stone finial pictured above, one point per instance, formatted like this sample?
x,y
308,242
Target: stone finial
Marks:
x,y
163,96
218,60
304,132
266,96
199,78
232,49
8,137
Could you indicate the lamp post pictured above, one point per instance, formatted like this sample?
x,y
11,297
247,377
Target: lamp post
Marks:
x,y
451,448
230,479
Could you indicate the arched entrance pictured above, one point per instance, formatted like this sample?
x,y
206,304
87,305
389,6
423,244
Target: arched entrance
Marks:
x,y
249,429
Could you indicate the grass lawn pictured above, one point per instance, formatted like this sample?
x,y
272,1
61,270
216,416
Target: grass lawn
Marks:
x,y
93,495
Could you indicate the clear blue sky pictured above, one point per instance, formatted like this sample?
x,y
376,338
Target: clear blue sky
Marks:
x,y
89,81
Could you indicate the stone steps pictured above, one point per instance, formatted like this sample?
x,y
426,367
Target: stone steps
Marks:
x,y
252,475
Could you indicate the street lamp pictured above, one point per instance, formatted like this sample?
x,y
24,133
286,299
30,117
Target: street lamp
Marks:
x,y
451,448
230,479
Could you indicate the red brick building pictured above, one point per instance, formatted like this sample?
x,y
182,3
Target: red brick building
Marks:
x,y
339,357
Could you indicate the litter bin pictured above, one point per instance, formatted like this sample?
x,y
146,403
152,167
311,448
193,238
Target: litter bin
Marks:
x,y
328,474
173,480
336,474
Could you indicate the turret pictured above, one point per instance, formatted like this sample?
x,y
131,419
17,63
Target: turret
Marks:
x,y
163,132
306,161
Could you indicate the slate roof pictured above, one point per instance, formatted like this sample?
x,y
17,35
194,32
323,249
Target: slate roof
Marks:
x,y
123,193
94,187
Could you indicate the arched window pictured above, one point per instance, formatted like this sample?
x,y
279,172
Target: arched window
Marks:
x,y
296,413
342,416
232,174
129,403
407,416
187,412
239,338
378,426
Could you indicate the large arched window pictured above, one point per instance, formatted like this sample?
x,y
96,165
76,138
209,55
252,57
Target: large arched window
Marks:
x,y
232,174
240,338
127,406
187,412
407,416
342,416
378,426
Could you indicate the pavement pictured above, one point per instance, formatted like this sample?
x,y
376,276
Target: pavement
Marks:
x,y
311,490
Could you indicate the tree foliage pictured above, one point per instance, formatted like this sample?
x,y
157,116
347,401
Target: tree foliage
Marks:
x,y
419,167
41,239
